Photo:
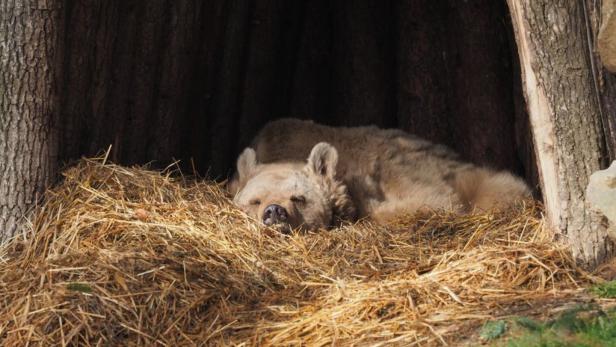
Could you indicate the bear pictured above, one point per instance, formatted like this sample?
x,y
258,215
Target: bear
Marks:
x,y
298,174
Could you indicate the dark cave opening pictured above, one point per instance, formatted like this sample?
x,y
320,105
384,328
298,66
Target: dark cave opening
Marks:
x,y
194,81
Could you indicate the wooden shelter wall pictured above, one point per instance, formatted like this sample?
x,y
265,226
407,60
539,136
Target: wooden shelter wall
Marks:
x,y
194,80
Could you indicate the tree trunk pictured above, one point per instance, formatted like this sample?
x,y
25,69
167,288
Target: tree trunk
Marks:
x,y
564,114
27,106
605,82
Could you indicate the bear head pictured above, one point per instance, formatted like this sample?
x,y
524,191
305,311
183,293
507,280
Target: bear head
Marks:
x,y
293,195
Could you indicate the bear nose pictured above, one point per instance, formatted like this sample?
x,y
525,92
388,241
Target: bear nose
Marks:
x,y
274,214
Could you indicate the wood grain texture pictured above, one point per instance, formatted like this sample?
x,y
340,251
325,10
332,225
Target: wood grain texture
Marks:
x,y
195,80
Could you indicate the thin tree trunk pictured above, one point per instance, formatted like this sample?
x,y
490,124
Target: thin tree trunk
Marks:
x,y
605,81
564,114
27,106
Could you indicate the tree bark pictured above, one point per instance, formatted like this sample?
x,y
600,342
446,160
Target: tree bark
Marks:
x,y
28,147
605,82
564,114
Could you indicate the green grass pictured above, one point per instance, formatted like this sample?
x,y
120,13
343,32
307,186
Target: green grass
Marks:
x,y
492,330
605,290
579,327
583,326
79,287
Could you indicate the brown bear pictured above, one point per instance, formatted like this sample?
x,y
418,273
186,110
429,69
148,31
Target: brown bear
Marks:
x,y
300,174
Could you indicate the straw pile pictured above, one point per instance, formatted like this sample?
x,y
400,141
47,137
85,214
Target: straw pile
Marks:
x,y
127,256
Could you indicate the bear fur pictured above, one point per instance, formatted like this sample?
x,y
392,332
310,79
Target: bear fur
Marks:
x,y
322,175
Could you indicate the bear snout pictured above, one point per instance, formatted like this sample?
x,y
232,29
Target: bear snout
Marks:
x,y
274,214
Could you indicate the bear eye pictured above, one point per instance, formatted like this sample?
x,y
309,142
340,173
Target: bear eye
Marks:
x,y
298,199
255,202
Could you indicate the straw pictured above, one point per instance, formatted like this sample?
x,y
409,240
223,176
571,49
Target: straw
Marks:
x,y
130,256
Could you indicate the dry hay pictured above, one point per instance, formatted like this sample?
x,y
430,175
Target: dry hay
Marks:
x,y
127,256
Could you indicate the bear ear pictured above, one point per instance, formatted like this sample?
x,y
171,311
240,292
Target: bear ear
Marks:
x,y
246,163
323,160
233,185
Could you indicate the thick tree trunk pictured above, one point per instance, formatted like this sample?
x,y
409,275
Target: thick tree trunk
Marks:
x,y
564,114
27,106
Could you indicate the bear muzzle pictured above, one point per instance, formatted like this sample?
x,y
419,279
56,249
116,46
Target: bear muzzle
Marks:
x,y
274,214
